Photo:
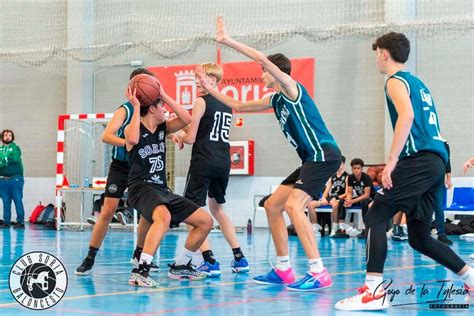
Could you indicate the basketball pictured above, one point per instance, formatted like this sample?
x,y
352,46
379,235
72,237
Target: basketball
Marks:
x,y
148,89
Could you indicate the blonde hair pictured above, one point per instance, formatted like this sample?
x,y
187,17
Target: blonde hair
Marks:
x,y
214,70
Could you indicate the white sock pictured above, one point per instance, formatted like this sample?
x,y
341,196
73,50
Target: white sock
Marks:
x,y
468,277
185,257
335,227
316,265
145,258
197,259
373,281
283,263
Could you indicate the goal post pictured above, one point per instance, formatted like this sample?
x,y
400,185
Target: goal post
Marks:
x,y
81,154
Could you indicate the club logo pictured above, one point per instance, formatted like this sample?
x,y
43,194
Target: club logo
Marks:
x,y
38,280
185,87
113,188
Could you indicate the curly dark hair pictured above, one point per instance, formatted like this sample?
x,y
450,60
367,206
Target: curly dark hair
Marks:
x,y
8,131
357,162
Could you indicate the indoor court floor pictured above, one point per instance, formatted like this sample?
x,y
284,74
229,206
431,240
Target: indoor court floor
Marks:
x,y
107,292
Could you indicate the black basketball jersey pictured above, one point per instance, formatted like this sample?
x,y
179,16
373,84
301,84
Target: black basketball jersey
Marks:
x,y
338,184
359,185
147,159
210,155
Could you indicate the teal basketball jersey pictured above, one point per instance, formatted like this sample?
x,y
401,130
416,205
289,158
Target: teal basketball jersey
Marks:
x,y
120,153
425,133
304,127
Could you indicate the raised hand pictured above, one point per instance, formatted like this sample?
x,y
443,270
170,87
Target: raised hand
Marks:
x,y
202,78
221,36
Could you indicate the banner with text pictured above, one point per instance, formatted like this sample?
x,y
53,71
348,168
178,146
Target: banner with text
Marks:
x,y
242,80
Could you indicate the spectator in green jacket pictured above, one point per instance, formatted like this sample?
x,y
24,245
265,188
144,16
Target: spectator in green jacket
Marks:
x,y
11,180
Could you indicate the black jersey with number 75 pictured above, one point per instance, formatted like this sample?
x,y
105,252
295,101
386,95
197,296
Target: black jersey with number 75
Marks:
x,y
147,159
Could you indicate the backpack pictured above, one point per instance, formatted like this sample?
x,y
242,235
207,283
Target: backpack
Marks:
x,y
49,218
38,210
48,211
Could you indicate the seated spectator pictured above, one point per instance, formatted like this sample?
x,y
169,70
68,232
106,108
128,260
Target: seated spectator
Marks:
x,y
11,180
359,192
335,190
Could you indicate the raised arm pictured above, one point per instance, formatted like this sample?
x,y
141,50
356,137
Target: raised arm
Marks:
x,y
189,136
287,83
108,136
132,131
182,116
248,106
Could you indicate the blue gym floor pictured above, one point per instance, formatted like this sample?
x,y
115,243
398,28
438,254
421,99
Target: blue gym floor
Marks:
x,y
107,292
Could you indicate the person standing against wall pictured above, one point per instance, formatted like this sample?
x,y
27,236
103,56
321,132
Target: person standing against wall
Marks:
x,y
11,180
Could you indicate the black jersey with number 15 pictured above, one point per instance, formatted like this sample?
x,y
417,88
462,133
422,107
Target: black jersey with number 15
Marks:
x,y
210,154
147,159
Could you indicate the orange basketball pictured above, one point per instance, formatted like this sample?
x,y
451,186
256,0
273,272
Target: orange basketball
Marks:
x,y
148,89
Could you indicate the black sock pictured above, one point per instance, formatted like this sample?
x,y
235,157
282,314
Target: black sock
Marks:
x,y
92,252
237,254
137,253
208,256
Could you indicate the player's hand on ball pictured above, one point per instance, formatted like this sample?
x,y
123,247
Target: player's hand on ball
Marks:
x,y
132,97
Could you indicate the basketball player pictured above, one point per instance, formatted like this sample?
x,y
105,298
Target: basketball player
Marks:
x,y
116,184
304,127
334,192
359,192
413,174
149,193
210,167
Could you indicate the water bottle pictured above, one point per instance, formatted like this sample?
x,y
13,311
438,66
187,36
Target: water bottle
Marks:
x,y
86,182
326,230
249,227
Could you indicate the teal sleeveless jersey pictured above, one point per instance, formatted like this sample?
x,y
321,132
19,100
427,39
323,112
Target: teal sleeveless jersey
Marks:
x,y
425,133
304,127
120,153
